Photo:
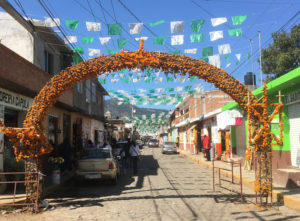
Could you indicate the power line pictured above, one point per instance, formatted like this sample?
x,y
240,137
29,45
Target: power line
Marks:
x,y
101,6
213,16
269,39
21,7
139,20
62,31
113,8
92,12
47,10
105,22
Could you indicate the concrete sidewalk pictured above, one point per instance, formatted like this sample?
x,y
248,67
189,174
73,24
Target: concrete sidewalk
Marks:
x,y
288,197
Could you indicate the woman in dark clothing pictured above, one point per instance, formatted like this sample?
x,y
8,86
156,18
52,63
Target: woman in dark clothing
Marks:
x,y
124,153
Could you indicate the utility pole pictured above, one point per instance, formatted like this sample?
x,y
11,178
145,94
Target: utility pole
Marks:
x,y
132,126
252,64
260,67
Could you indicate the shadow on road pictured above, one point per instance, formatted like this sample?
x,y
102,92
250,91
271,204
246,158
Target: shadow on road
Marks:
x,y
89,192
96,193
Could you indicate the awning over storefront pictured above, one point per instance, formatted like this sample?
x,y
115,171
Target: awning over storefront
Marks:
x,y
182,123
189,121
229,118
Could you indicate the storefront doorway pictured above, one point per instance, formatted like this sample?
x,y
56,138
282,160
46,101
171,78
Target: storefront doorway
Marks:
x,y
52,129
67,127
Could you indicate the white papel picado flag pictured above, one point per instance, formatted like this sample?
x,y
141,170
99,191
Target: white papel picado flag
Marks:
x,y
177,26
214,60
114,80
160,90
70,39
159,80
177,39
141,38
218,21
93,26
135,80
177,89
94,52
215,35
104,40
135,28
190,51
49,22
224,49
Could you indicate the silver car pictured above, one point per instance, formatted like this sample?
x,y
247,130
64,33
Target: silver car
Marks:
x,y
169,147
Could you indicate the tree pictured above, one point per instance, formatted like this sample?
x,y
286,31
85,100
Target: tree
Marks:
x,y
283,55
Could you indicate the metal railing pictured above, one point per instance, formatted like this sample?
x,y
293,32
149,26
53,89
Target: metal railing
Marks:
x,y
233,164
12,197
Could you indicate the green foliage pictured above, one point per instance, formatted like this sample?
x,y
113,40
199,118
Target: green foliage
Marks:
x,y
283,55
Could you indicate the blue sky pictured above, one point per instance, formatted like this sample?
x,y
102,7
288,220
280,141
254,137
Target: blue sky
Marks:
x,y
266,16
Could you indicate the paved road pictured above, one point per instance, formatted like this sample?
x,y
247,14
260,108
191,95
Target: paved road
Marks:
x,y
167,187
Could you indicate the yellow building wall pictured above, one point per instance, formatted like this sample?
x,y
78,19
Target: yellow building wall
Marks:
x,y
57,112
86,124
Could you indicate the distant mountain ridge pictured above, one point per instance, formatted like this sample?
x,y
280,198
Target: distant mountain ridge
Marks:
x,y
124,110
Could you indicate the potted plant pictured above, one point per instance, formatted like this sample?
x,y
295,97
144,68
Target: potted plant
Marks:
x,y
55,163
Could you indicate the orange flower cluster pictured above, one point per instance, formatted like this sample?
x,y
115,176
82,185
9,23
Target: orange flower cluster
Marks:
x,y
259,120
30,142
248,154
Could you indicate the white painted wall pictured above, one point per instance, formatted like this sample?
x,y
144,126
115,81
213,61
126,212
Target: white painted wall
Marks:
x,y
241,139
16,37
96,125
31,47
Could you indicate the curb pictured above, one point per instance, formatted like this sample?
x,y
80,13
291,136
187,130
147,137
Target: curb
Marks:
x,y
288,201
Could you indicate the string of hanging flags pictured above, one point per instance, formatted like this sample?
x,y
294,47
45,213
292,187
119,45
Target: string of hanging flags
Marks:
x,y
136,28
177,38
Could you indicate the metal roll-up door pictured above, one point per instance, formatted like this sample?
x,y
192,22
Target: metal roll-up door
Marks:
x,y
294,121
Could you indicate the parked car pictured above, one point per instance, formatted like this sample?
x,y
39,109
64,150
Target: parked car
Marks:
x,y
98,163
169,147
153,143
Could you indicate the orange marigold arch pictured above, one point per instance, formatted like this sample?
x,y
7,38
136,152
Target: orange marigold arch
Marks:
x,y
34,142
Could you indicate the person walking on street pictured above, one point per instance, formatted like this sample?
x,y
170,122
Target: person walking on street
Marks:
x,y
207,146
134,153
124,153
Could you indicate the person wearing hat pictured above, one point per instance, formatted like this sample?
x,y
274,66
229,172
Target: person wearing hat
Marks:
x,y
206,146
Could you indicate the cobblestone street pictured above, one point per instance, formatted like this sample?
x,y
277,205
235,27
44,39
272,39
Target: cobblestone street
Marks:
x,y
167,187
